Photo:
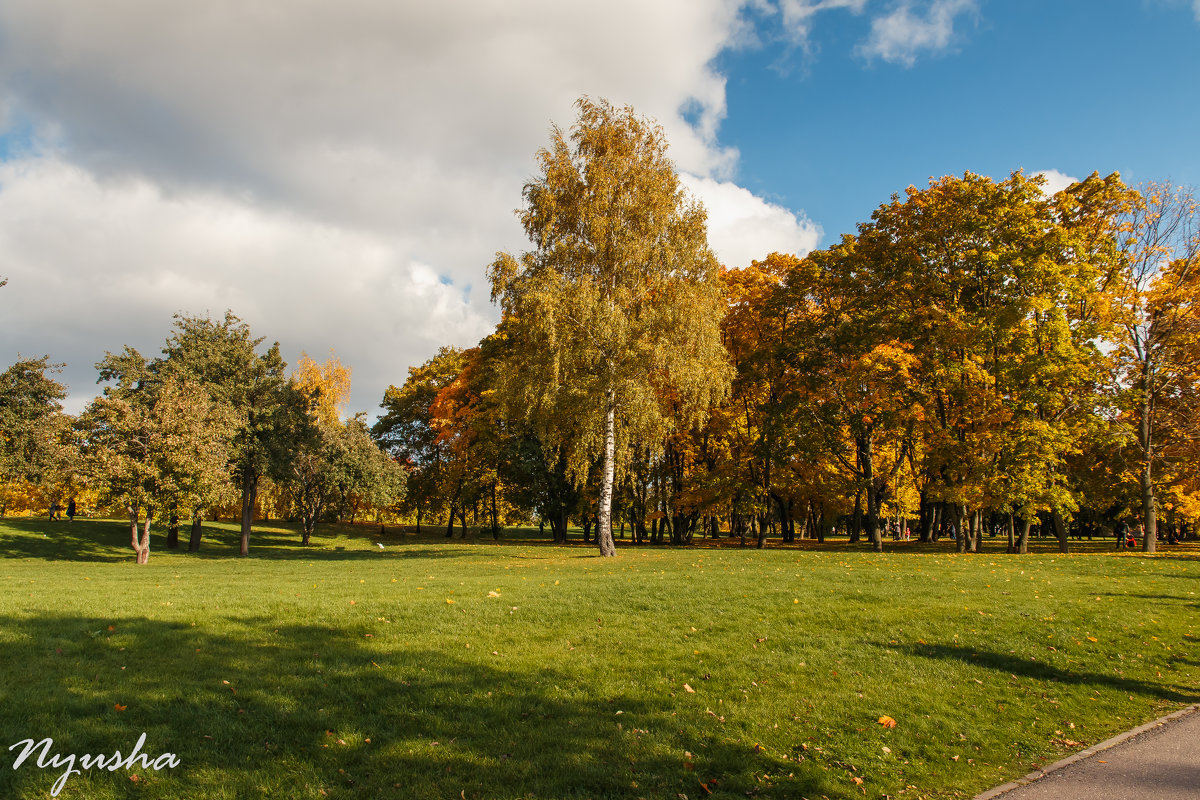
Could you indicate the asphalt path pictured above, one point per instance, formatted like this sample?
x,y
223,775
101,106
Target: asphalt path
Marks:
x,y
1158,761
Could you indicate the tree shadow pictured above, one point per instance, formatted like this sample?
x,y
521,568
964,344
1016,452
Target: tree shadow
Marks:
x,y
1042,671
81,540
307,711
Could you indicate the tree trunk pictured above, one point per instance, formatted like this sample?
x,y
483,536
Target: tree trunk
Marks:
x,y
1023,538
1012,536
197,530
856,524
604,537
450,522
249,496
173,530
958,516
1060,531
142,547
495,523
866,459
1146,477
144,553
977,536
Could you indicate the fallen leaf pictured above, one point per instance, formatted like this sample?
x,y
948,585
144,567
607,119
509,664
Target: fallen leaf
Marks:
x,y
119,707
887,721
449,602
857,780
688,689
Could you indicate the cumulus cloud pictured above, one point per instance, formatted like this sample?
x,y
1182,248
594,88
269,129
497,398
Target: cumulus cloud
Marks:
x,y
743,227
95,265
901,35
338,175
1055,181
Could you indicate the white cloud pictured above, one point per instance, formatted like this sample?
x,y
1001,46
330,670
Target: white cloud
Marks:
x,y
340,175
901,35
1055,181
743,228
798,14
95,265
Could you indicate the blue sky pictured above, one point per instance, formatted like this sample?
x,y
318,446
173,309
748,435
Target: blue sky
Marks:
x,y
1072,85
341,176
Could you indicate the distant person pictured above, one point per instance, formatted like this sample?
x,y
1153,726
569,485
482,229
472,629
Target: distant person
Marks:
x,y
1121,531
53,511
71,510
1131,541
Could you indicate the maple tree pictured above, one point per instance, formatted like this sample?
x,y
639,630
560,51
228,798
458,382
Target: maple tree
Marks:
x,y
617,304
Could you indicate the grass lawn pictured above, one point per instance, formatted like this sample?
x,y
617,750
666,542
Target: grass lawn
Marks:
x,y
438,669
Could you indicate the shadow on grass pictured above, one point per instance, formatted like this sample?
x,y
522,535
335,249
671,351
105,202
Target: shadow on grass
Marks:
x,y
1039,670
81,540
309,712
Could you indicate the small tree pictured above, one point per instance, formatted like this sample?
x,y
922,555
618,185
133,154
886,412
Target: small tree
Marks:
x,y
148,447
34,446
618,304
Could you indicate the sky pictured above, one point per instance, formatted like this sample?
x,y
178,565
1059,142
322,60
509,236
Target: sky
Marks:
x,y
341,175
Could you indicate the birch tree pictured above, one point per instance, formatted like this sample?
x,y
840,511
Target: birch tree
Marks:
x,y
618,304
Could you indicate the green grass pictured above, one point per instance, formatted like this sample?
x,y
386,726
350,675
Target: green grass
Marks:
x,y
343,670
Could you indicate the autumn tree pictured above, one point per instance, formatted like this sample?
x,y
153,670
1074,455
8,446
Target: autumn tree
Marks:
x,y
339,459
1001,292
407,431
1158,287
617,305
153,444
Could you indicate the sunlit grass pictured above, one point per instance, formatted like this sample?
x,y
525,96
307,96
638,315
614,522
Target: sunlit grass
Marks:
x,y
437,668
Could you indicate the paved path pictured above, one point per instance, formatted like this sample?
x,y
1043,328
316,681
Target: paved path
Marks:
x,y
1158,761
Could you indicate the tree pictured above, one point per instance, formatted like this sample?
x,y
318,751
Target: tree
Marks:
x,y
338,459
618,304
407,431
270,413
1002,292
151,446
33,429
1162,250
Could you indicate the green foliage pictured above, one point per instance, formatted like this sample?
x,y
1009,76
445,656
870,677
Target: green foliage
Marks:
x,y
35,445
340,461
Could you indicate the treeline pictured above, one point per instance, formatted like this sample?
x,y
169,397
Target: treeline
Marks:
x,y
210,426
979,357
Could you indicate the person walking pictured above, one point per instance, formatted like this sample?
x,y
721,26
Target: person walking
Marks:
x,y
71,510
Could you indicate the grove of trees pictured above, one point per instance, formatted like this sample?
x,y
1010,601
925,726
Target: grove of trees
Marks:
x,y
980,358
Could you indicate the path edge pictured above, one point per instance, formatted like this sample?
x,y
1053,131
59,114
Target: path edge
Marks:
x,y
1120,738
